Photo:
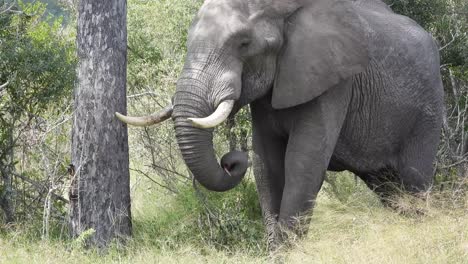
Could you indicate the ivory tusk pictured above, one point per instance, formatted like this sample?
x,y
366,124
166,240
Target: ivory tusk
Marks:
x,y
143,121
220,114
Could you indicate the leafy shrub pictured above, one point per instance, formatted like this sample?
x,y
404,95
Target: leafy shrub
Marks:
x,y
230,221
37,74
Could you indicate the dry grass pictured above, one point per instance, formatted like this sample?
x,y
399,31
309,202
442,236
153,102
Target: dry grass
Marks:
x,y
380,235
357,231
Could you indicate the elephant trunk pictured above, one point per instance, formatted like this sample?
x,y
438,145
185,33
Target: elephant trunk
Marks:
x,y
196,144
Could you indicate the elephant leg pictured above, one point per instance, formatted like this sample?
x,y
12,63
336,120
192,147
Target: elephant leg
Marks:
x,y
269,152
414,170
311,144
416,160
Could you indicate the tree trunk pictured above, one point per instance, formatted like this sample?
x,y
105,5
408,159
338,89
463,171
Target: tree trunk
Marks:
x,y
100,189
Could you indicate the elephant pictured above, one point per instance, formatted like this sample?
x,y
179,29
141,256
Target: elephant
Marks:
x,y
332,85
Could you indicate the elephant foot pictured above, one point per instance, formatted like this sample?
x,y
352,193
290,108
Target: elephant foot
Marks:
x,y
275,234
272,232
281,236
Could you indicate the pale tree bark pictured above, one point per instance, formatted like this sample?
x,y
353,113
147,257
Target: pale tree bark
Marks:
x,y
100,189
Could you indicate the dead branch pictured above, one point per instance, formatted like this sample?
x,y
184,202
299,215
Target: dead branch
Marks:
x,y
454,37
142,94
153,180
4,85
40,187
7,9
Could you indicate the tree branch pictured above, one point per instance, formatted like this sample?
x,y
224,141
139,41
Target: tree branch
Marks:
x,y
454,164
450,42
40,187
142,94
7,9
154,181
4,85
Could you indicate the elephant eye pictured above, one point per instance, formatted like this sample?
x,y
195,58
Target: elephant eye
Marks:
x,y
243,39
245,43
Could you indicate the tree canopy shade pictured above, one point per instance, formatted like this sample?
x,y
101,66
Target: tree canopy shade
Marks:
x,y
100,192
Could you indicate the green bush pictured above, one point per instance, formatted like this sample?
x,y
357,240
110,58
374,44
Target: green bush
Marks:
x,y
37,66
230,221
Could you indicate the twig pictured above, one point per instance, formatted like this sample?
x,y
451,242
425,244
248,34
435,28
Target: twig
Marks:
x,y
154,181
4,85
39,187
450,42
168,170
142,94
203,199
58,215
455,164
7,9
57,125
443,66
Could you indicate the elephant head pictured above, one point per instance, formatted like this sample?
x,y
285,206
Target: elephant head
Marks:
x,y
239,51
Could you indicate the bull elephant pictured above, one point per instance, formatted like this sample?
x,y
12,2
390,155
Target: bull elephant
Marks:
x,y
332,85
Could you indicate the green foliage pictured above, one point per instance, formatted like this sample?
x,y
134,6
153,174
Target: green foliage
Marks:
x,y
233,220
80,241
37,66
36,61
423,11
230,221
157,33
447,20
346,187
53,7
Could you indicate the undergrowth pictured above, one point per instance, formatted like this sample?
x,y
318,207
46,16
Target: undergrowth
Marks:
x,y
228,221
196,226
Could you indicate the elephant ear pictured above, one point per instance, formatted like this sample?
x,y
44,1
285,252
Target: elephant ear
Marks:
x,y
325,44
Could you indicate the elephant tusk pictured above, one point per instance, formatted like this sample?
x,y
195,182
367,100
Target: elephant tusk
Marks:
x,y
222,112
143,121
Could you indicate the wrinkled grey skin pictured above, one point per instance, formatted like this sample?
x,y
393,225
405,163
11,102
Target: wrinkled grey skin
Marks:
x,y
332,85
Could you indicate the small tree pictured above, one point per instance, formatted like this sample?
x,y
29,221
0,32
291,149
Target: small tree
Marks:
x,y
36,73
100,191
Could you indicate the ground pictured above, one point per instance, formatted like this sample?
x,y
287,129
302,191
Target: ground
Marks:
x,y
357,229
